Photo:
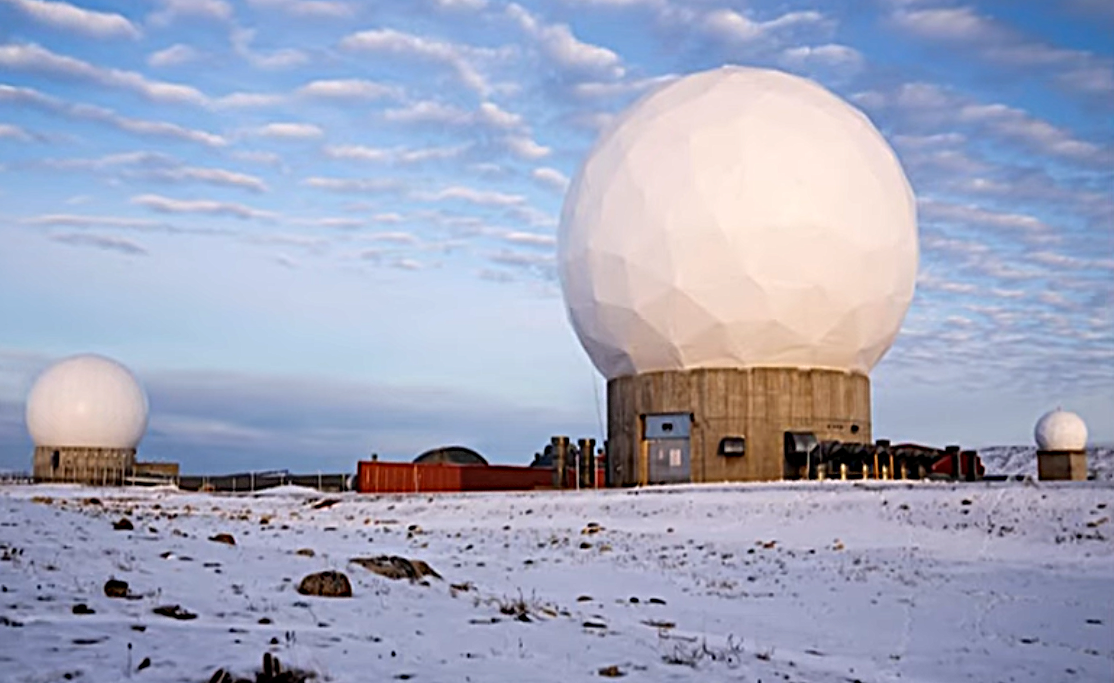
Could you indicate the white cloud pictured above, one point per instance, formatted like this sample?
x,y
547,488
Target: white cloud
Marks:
x,y
172,10
174,55
307,8
932,102
488,115
284,58
551,177
290,131
88,112
349,88
931,209
102,242
531,239
948,23
460,5
831,56
558,44
211,176
605,89
248,100
737,28
34,58
404,238
453,55
203,206
78,221
12,132
1076,69
471,195
1016,124
526,148
353,184
63,15
398,155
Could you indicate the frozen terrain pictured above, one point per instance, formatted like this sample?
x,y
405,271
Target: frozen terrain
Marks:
x,y
1014,460
809,582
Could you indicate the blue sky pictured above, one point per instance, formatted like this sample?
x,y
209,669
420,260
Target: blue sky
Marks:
x,y
321,228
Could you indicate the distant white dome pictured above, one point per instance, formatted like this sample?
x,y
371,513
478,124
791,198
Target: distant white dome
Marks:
x,y
1060,430
87,401
737,218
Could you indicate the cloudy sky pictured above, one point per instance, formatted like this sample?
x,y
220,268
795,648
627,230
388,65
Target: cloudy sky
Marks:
x,y
322,228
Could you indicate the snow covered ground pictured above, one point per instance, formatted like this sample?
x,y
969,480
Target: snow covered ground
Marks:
x,y
1013,460
813,581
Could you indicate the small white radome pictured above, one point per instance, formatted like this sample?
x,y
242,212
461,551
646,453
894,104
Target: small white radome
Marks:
x,y
87,401
738,218
1060,430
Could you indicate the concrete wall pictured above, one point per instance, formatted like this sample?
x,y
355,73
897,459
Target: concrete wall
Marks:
x,y
760,404
1062,465
82,465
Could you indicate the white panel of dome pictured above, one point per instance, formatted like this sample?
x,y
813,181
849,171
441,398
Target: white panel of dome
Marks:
x,y
738,218
87,401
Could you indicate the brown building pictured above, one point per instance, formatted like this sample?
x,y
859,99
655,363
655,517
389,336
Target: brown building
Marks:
x,y
727,425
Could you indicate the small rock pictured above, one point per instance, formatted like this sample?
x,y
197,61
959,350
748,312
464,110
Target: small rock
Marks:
x,y
144,664
394,567
264,620
327,584
227,539
611,672
82,608
656,601
115,588
305,552
174,612
123,524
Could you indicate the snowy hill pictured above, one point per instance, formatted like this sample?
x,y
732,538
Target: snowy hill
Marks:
x,y
818,582
1013,460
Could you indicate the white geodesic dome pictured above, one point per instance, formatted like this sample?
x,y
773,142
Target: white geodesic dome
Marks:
x,y
736,218
1059,430
87,401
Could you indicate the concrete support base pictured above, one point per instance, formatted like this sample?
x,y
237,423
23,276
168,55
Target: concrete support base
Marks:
x,y
102,466
1062,465
758,404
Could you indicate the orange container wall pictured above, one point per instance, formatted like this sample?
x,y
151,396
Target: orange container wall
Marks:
x,y
403,477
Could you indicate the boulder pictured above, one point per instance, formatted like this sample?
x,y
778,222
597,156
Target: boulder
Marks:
x,y
123,524
328,584
115,588
227,539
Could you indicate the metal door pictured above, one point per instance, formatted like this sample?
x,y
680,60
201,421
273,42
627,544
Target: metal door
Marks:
x,y
667,438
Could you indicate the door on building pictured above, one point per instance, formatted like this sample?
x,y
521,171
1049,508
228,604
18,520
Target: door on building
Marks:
x,y
667,444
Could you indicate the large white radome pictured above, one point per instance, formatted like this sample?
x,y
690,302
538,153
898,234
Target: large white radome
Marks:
x,y
87,401
735,218
1060,430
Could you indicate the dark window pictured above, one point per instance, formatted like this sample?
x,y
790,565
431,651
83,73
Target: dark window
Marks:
x,y
854,429
733,446
55,459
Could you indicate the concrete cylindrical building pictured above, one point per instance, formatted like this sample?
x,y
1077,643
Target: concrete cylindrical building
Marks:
x,y
736,253
86,415
1061,446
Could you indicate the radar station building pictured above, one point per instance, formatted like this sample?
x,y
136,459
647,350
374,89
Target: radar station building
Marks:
x,y
736,254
